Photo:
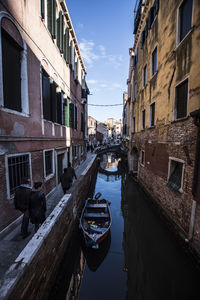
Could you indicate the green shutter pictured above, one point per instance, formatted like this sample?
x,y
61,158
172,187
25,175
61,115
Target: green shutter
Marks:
x,y
54,20
42,8
71,115
66,46
66,112
51,17
75,117
58,32
61,32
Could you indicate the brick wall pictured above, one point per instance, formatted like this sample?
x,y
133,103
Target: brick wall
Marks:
x,y
28,277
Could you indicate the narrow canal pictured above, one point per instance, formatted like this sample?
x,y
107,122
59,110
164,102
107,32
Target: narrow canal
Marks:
x,y
139,260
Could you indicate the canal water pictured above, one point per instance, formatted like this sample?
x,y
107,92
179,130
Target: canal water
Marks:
x,y
139,260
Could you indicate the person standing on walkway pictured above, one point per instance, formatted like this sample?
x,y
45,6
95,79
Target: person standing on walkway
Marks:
x,y
37,206
21,202
67,178
70,174
64,181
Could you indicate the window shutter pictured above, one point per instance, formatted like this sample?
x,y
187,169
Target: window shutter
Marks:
x,y
59,108
66,112
54,20
53,102
61,31
42,9
71,115
66,45
51,16
58,32
156,6
70,54
76,117
46,96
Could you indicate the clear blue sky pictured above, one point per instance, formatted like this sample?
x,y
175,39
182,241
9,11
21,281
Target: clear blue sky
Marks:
x,y
104,29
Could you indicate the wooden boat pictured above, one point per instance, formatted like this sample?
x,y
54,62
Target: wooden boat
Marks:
x,y
95,220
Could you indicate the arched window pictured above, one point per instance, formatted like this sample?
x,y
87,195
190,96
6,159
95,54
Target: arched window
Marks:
x,y
13,68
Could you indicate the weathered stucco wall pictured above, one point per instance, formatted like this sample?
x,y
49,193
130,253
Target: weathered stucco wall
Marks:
x,y
170,136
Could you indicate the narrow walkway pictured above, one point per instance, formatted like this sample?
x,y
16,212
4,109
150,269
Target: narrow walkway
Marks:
x,y
12,244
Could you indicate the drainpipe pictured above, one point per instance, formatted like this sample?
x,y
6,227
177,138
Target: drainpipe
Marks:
x,y
196,115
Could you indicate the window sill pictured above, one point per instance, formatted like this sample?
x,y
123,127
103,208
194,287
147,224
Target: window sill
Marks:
x,y
50,176
15,112
152,76
180,120
185,37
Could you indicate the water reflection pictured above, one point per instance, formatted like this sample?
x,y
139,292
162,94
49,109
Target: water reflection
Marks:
x,y
95,257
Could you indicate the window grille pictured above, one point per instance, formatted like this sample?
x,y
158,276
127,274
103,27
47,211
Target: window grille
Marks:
x,y
18,168
175,178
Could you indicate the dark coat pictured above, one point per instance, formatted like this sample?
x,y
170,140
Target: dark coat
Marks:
x,y
65,182
37,207
22,197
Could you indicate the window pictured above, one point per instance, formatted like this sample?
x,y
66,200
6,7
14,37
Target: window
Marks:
x,y
13,69
66,112
152,115
153,13
142,158
82,122
71,115
143,119
185,18
154,62
143,36
18,168
135,90
52,100
66,45
175,176
133,124
145,76
49,163
51,17
60,32
75,117
181,99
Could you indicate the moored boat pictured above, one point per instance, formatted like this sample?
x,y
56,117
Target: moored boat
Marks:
x,y
95,220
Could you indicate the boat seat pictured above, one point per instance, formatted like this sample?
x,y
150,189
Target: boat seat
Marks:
x,y
97,205
96,215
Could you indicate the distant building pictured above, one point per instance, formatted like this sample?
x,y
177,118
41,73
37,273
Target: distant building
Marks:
x,y
162,112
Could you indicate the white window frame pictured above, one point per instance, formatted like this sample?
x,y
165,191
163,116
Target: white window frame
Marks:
x,y
24,75
175,109
178,42
7,171
183,169
47,177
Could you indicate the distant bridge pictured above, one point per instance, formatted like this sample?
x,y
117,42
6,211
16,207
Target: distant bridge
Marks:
x,y
117,148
